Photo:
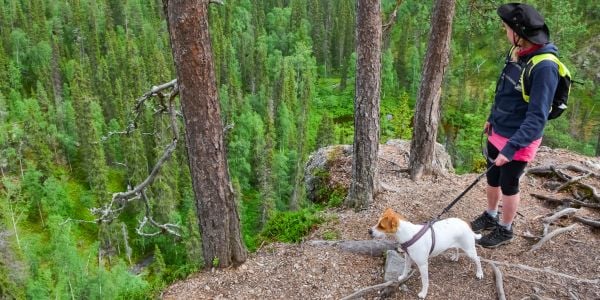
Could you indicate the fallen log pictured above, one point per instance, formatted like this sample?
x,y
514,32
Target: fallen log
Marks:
x,y
366,247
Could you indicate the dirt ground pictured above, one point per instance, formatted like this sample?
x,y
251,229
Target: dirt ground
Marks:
x,y
565,267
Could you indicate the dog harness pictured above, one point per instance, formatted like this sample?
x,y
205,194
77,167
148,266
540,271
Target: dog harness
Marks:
x,y
418,235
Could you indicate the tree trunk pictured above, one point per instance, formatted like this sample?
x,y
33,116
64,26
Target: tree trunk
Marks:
x,y
428,101
215,200
366,105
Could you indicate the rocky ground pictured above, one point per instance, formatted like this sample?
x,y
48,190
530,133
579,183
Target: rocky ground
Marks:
x,y
565,267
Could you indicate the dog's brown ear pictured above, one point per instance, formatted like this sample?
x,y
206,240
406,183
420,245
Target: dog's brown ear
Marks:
x,y
394,224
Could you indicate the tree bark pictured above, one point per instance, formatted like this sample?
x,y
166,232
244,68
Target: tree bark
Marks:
x,y
215,200
366,105
427,112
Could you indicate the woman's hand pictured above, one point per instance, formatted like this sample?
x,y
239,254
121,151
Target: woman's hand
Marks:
x,y
500,160
487,128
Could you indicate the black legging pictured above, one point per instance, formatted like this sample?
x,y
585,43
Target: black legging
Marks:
x,y
507,176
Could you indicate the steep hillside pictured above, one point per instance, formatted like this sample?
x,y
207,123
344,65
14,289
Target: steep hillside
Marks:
x,y
565,267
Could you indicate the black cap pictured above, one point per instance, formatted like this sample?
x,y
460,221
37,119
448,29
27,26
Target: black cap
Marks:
x,y
525,21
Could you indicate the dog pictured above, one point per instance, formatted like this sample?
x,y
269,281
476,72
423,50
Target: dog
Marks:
x,y
448,233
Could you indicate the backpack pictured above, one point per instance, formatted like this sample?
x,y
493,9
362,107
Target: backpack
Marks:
x,y
561,96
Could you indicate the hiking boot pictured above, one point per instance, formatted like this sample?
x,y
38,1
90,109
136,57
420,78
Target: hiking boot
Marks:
x,y
483,222
499,236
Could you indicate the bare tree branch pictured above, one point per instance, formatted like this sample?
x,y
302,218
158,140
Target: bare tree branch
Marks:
x,y
109,212
148,217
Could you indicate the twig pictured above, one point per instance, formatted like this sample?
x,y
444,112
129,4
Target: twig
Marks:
x,y
75,220
546,270
499,283
550,235
148,217
220,2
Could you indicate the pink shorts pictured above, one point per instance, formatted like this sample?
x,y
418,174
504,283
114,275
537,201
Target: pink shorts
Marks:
x,y
524,154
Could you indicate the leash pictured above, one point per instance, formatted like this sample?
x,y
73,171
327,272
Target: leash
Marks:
x,y
464,192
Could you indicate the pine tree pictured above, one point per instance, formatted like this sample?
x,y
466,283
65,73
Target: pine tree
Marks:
x,y
427,109
325,132
365,183
90,126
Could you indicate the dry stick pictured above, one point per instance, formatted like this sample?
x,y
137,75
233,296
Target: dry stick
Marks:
x,y
593,223
549,271
499,283
550,235
377,287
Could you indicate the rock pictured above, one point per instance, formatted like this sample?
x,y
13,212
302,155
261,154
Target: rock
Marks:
x,y
441,158
317,180
394,265
327,171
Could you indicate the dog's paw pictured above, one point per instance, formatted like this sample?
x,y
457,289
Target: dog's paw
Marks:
x,y
422,294
479,275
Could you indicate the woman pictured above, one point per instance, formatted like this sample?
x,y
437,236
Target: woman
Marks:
x,y
515,127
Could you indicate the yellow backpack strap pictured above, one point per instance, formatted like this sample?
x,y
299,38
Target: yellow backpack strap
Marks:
x,y
562,69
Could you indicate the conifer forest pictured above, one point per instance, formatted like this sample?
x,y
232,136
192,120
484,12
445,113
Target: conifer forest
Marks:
x,y
90,112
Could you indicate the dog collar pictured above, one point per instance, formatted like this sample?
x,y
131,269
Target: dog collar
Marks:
x,y
418,235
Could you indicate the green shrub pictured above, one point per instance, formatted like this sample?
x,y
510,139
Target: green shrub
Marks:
x,y
291,226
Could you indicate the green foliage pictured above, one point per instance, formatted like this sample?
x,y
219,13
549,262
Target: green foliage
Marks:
x,y
331,235
291,226
215,262
71,71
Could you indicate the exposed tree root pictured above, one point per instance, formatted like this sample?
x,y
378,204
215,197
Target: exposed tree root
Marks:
x,y
552,234
391,284
545,270
499,282
593,223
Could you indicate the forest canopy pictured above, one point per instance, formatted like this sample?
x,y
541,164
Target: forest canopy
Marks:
x,y
72,70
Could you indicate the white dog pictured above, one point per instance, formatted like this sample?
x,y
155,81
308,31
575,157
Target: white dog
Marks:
x,y
448,233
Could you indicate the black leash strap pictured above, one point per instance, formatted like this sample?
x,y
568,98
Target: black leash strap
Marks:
x,y
464,192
